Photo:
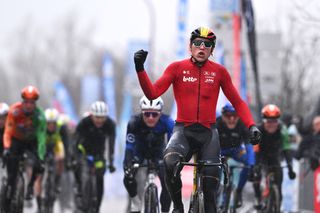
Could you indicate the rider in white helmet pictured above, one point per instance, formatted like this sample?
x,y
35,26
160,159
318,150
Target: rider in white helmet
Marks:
x,y
94,133
147,135
151,109
4,108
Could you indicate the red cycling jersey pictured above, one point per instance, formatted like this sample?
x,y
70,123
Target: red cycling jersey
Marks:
x,y
25,127
196,91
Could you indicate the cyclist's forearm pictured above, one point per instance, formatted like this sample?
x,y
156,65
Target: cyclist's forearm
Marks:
x,y
288,157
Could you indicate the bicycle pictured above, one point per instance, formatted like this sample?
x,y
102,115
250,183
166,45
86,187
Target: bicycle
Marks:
x,y
49,185
88,200
271,202
227,196
151,199
13,196
197,196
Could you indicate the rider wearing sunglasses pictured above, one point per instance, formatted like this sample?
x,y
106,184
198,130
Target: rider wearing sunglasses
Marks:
x,y
147,136
235,143
196,84
273,148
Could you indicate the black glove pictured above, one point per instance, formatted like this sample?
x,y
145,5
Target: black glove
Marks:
x,y
291,173
139,59
255,135
128,172
112,169
5,156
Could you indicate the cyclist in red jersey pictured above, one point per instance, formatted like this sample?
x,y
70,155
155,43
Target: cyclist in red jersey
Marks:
x,y
25,130
196,83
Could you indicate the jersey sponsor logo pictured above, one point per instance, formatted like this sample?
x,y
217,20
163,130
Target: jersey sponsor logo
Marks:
x,y
186,72
131,138
208,73
209,81
189,79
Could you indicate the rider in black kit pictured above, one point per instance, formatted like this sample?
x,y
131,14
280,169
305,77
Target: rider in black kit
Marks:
x,y
147,135
91,134
235,143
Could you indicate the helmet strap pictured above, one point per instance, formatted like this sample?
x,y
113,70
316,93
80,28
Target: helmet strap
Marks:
x,y
198,63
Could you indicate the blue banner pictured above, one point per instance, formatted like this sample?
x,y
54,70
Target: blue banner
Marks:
x,y
90,91
130,88
182,17
64,101
225,6
108,85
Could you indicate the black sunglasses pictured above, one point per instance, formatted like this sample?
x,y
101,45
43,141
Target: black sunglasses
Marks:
x,y
270,120
152,114
230,114
198,43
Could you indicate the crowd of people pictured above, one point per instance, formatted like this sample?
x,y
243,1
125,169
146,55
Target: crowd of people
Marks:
x,y
153,135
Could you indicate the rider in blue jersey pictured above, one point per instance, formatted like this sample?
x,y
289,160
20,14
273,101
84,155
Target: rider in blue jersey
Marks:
x,y
147,135
234,143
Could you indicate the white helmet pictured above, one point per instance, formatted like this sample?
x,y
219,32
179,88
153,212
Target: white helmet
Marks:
x,y
99,108
51,114
156,104
4,108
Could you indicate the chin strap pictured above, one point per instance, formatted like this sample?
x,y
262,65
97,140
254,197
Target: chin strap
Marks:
x,y
196,62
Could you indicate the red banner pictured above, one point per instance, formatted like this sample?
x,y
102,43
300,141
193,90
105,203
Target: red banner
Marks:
x,y
236,50
317,190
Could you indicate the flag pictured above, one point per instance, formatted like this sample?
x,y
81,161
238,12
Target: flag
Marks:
x,y
108,85
248,12
63,101
90,92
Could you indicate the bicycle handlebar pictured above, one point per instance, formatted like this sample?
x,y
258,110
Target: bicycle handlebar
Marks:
x,y
201,164
223,164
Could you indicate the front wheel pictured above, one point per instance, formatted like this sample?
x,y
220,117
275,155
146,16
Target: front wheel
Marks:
x,y
273,200
49,193
197,205
151,201
3,196
90,199
18,196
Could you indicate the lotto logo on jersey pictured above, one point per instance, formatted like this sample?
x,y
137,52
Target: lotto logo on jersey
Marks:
x,y
189,79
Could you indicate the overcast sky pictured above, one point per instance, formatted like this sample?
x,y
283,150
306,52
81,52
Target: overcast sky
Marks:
x,y
115,20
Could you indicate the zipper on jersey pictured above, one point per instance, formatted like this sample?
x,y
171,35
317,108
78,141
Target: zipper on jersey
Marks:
x,y
198,109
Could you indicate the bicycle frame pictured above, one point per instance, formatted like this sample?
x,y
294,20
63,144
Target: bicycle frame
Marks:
x,y
151,200
228,195
50,193
17,195
88,186
271,194
197,196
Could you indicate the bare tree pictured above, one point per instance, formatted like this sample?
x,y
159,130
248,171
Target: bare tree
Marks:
x,y
298,69
66,53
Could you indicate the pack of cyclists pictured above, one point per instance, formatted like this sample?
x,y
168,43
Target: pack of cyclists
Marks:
x,y
153,135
